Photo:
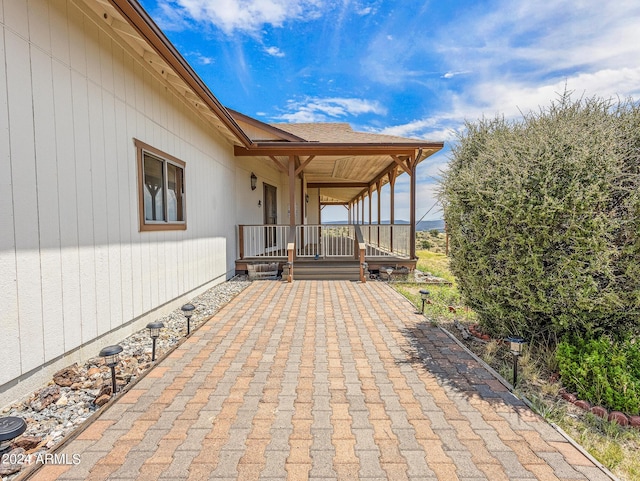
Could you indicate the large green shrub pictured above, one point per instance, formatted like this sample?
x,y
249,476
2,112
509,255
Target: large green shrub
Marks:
x,y
602,371
544,219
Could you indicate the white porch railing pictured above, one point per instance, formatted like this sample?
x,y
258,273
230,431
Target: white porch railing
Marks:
x,y
263,240
387,240
325,241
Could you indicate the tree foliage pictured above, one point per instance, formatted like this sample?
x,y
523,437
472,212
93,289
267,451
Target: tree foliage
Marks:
x,y
544,219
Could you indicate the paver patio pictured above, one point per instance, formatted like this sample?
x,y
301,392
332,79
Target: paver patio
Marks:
x,y
320,380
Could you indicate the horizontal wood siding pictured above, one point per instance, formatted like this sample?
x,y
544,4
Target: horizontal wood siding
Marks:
x,y
73,264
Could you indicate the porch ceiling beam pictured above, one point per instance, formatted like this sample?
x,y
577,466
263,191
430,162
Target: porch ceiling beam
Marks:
x,y
316,148
334,185
279,164
406,168
335,203
304,164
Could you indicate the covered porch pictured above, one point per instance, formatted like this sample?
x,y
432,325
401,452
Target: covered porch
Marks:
x,y
329,165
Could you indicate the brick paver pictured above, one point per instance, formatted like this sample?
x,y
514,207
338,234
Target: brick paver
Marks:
x,y
320,380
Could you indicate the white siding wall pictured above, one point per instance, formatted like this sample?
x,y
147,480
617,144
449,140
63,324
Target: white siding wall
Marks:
x,y
73,265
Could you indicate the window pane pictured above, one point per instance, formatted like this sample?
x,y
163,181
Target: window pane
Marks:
x,y
175,195
153,189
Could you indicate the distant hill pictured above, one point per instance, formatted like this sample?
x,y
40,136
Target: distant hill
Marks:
x,y
423,225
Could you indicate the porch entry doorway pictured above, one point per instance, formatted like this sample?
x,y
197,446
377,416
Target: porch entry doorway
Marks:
x,y
270,215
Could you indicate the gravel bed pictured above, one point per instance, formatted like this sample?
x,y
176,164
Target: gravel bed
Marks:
x,y
65,403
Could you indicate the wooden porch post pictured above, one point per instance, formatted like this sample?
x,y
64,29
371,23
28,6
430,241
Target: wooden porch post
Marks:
x,y
370,213
392,198
378,188
412,233
292,192
362,205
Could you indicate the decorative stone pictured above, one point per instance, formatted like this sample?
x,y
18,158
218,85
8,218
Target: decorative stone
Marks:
x,y
600,412
27,442
634,421
45,397
568,396
67,376
7,467
583,404
63,401
618,417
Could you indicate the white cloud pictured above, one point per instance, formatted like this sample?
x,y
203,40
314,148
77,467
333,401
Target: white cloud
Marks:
x,y
329,109
274,51
243,15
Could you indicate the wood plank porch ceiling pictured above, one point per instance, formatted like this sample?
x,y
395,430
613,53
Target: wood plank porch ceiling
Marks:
x,y
344,164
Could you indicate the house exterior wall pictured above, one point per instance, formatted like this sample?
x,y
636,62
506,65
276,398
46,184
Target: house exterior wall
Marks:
x,y
75,272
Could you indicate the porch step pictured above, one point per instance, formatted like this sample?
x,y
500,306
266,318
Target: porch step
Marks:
x,y
322,270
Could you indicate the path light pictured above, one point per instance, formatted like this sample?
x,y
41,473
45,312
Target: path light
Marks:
x,y
515,345
424,294
110,354
10,427
389,272
187,310
154,333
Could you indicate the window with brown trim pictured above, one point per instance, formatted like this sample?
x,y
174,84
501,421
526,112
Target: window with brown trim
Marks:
x,y
161,189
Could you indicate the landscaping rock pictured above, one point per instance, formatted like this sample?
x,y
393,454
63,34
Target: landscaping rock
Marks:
x,y
618,417
568,396
67,376
634,421
600,412
27,442
7,467
45,397
583,405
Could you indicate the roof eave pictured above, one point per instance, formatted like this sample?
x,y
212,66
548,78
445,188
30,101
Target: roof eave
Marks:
x,y
323,148
138,18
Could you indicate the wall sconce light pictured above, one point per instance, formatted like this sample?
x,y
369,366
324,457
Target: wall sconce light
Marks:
x,y
110,354
187,310
424,294
259,203
254,181
154,333
515,345
306,198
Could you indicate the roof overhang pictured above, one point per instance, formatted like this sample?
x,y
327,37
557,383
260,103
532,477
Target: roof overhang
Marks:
x,y
145,34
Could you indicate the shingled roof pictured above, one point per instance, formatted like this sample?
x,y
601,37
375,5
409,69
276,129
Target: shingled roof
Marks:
x,y
337,132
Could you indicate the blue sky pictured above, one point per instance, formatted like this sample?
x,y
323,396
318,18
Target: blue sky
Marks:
x,y
410,68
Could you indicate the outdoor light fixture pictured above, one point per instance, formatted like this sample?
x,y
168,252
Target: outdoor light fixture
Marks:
x,y
110,354
187,310
10,427
515,345
154,333
306,198
423,295
254,181
389,272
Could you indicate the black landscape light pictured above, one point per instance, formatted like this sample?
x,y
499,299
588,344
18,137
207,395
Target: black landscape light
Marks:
x,y
424,294
154,333
110,354
389,272
187,310
515,345
10,427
